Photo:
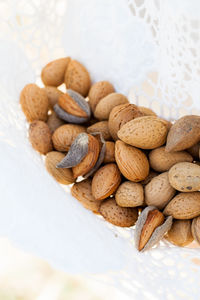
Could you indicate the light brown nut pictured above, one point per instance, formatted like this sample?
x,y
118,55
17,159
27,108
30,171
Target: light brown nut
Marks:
x,y
120,115
117,215
105,181
158,192
98,91
54,122
130,194
107,103
110,152
40,137
147,111
162,161
195,151
184,206
131,161
65,135
53,73
180,233
151,175
34,103
82,191
185,177
53,95
63,176
184,133
77,78
150,228
101,127
147,132
196,229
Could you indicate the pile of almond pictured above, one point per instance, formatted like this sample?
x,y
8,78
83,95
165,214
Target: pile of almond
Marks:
x,y
125,163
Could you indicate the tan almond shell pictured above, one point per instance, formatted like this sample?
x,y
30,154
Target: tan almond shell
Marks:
x,y
146,132
196,229
98,91
54,122
82,191
151,175
53,73
40,137
180,233
147,111
65,135
195,151
53,95
77,78
34,103
101,127
131,161
185,177
120,115
110,152
107,103
158,192
117,215
184,206
106,181
63,176
130,194
162,161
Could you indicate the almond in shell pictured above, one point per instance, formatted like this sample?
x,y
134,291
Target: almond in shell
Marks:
x,y
101,127
196,229
130,194
110,152
54,122
147,111
195,151
180,233
40,137
53,95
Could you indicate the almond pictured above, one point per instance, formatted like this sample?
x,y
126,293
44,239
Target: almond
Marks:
x,y
184,133
158,192
185,177
131,161
63,176
82,191
53,95
184,206
77,78
151,175
195,151
101,127
40,137
196,229
147,132
65,135
54,122
180,233
110,152
130,194
107,103
101,188
117,215
98,91
162,161
34,103
53,73
147,111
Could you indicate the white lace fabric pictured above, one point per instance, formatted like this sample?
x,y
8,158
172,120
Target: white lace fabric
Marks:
x,y
148,50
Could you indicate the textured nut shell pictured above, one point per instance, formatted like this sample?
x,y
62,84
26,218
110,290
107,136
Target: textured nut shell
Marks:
x,y
98,91
107,103
195,151
101,127
63,176
40,137
53,73
180,233
54,122
162,161
53,95
110,152
120,115
147,132
82,191
184,206
117,215
90,159
34,103
65,135
147,111
196,229
131,161
130,194
158,192
69,105
105,181
184,133
151,175
185,177
69,118
77,78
